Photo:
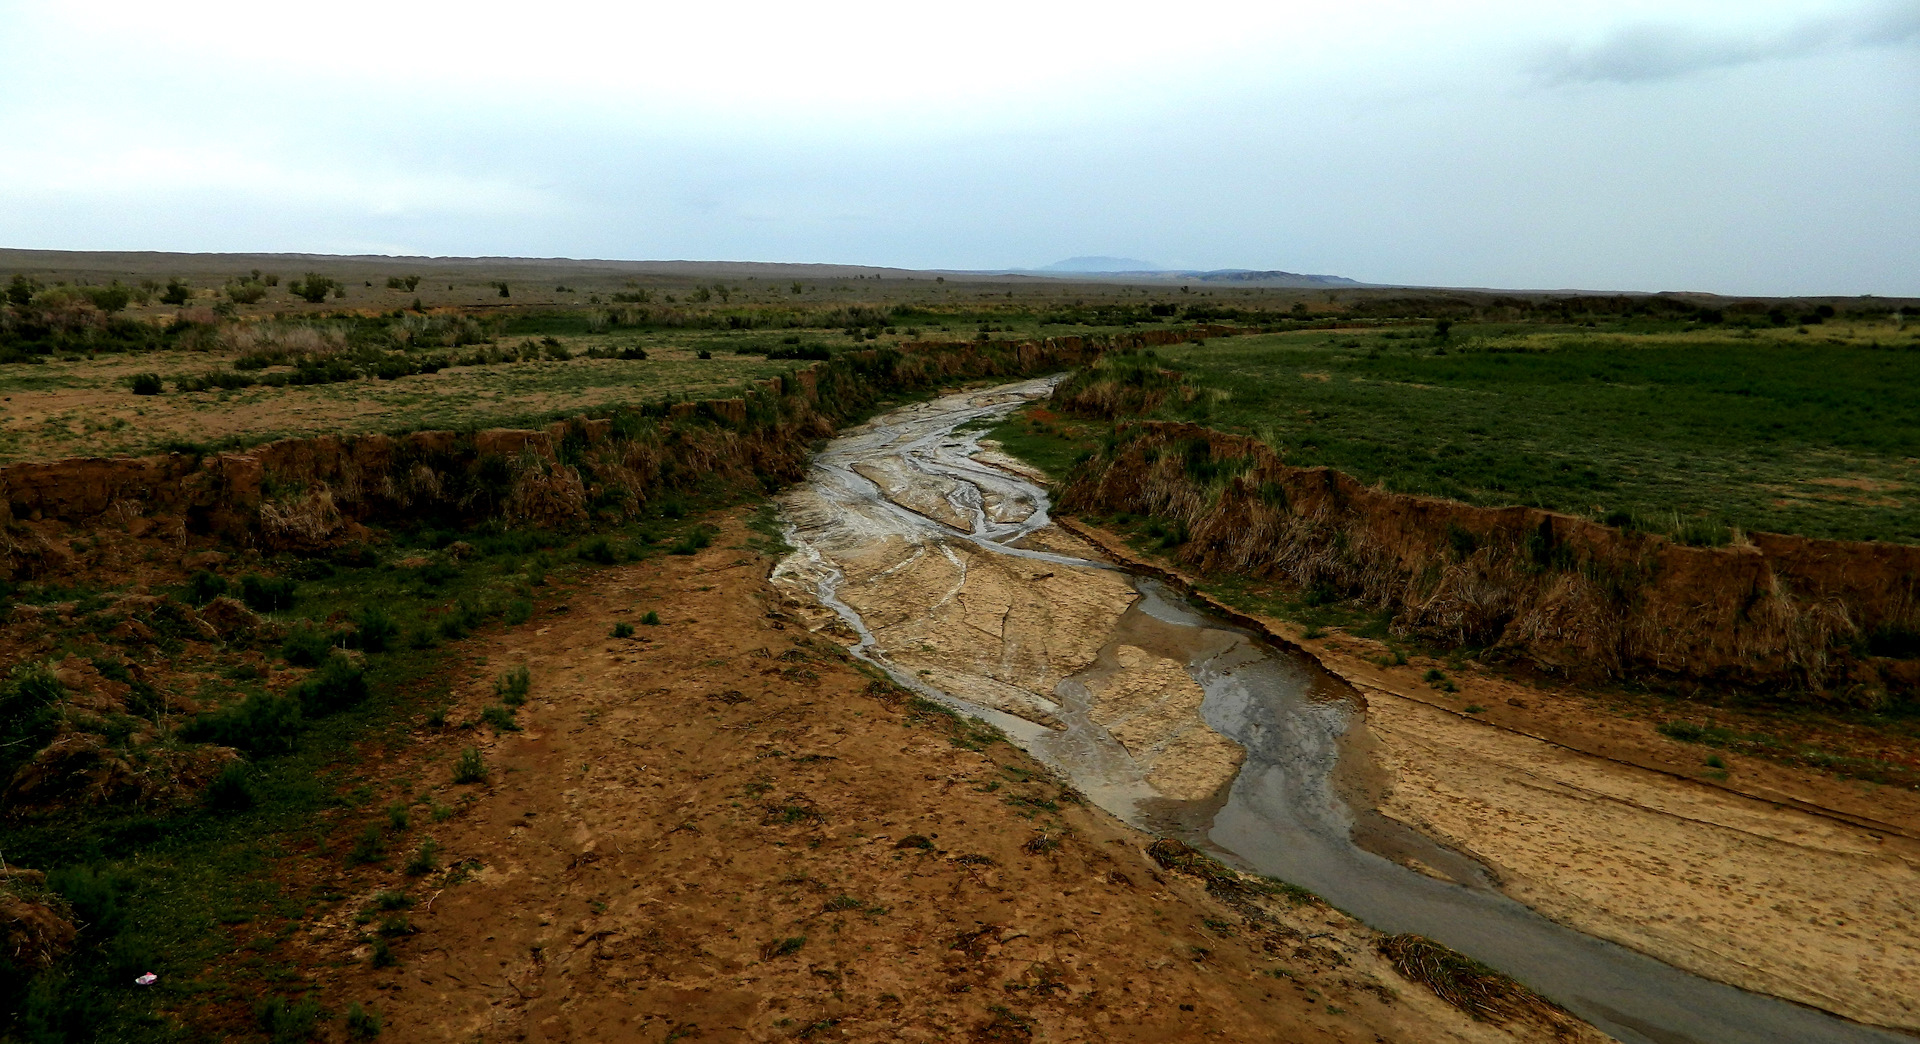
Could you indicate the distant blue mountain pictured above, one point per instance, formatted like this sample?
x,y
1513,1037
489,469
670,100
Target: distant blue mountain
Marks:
x,y
1137,271
1101,264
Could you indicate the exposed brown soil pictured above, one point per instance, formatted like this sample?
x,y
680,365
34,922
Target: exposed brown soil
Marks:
x,y
1779,879
1567,596
720,830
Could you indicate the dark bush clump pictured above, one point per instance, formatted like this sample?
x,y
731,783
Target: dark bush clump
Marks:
x,y
204,587
267,594
231,790
263,723
513,686
337,685
698,540
284,1023
29,711
600,550
1684,731
374,629
145,384
470,768
363,1023
306,646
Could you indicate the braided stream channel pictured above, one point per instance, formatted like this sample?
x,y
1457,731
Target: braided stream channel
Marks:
x,y
935,561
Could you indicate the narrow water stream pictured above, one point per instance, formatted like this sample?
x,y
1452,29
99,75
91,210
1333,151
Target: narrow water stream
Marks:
x,y
904,493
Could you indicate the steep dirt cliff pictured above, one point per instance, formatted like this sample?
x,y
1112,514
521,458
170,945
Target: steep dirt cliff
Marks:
x,y
1566,595
311,492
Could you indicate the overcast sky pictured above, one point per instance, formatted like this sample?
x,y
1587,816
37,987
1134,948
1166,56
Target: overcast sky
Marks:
x,y
1739,147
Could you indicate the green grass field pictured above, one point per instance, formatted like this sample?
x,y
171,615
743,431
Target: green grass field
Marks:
x,y
72,404
1693,432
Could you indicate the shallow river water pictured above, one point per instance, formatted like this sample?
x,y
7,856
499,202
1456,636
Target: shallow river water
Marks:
x,y
906,490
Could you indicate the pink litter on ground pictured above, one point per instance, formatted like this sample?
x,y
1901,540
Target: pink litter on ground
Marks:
x,y
146,980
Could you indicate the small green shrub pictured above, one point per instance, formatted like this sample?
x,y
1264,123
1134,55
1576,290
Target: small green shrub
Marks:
x,y
383,956
29,711
337,685
391,900
782,947
370,847
362,1022
231,790
306,645
623,630
397,817
314,288
518,611
374,629
285,1023
426,859
513,686
145,384
650,618
500,717
698,540
1684,731
263,723
246,291
470,767
265,594
204,587
598,549
437,573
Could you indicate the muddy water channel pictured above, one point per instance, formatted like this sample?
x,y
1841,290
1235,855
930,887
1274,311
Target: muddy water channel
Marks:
x,y
935,560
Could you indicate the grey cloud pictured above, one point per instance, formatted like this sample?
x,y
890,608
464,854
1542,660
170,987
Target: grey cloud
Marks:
x,y
1652,51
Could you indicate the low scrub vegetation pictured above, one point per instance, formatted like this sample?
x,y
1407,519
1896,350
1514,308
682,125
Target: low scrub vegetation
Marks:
x,y
1688,431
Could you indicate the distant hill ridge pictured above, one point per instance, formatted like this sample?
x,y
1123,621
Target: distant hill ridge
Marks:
x,y
1134,268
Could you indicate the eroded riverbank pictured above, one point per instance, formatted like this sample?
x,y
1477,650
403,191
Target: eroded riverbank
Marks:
x,y
945,570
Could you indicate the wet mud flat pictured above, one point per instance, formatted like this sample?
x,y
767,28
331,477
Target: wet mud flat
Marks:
x,y
936,560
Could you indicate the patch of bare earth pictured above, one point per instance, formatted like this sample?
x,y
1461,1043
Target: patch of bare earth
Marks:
x,y
719,829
